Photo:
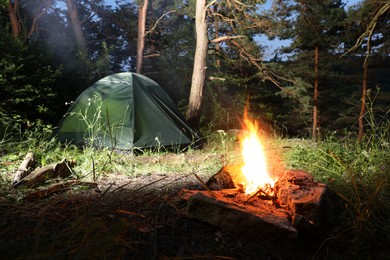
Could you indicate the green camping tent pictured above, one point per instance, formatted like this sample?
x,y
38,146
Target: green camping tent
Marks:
x,y
124,110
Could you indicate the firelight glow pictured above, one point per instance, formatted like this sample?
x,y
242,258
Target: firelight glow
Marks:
x,y
255,172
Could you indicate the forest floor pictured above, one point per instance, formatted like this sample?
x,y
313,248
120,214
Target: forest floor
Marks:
x,y
125,218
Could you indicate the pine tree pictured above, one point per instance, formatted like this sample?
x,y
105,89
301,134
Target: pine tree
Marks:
x,y
314,28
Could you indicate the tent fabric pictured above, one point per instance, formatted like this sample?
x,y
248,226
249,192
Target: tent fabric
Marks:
x,y
124,111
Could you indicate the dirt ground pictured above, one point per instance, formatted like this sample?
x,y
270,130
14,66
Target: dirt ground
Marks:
x,y
124,218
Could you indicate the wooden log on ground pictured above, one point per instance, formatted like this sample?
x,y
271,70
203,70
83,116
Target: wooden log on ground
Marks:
x,y
256,221
23,168
41,175
299,207
299,194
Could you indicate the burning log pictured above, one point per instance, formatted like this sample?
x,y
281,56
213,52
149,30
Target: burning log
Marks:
x,y
246,200
222,179
296,207
256,220
300,195
304,199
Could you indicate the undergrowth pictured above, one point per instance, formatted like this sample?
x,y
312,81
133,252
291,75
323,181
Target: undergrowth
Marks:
x,y
358,176
93,163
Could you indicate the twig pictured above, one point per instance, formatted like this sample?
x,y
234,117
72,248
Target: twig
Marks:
x,y
254,195
153,182
93,170
268,197
120,187
204,185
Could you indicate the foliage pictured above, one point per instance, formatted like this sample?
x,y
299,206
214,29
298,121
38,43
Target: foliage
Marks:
x,y
359,176
27,82
110,32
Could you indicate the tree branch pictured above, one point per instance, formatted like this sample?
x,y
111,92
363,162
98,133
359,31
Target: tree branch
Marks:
x,y
369,31
158,20
226,38
36,18
264,72
210,4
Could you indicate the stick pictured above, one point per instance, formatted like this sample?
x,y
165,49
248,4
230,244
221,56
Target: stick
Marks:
x,y
268,197
204,185
23,168
58,187
257,192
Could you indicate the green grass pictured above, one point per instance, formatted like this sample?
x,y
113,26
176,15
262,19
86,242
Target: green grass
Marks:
x,y
357,174
93,163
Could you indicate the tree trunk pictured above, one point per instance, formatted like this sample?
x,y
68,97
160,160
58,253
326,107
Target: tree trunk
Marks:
x,y
315,98
199,71
141,34
363,103
217,46
37,15
13,17
76,26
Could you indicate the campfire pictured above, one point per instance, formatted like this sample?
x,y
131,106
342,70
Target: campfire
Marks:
x,y
248,200
254,176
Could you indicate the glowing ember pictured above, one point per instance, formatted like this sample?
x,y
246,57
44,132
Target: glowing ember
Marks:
x,y
254,170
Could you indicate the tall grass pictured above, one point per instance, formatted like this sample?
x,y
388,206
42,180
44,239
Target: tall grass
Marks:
x,y
358,174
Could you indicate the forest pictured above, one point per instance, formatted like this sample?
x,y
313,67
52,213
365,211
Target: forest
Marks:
x,y
280,88
322,98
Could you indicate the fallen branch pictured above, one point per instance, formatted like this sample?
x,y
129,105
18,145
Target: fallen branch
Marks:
x,y
23,168
57,188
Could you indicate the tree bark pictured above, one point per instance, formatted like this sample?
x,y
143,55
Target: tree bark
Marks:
x,y
141,34
217,46
315,98
13,17
76,26
363,103
199,71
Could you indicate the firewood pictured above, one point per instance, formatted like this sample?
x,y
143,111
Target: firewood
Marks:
x,y
57,188
222,179
23,168
41,175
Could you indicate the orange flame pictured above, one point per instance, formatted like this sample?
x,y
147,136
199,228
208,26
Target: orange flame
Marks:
x,y
254,170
